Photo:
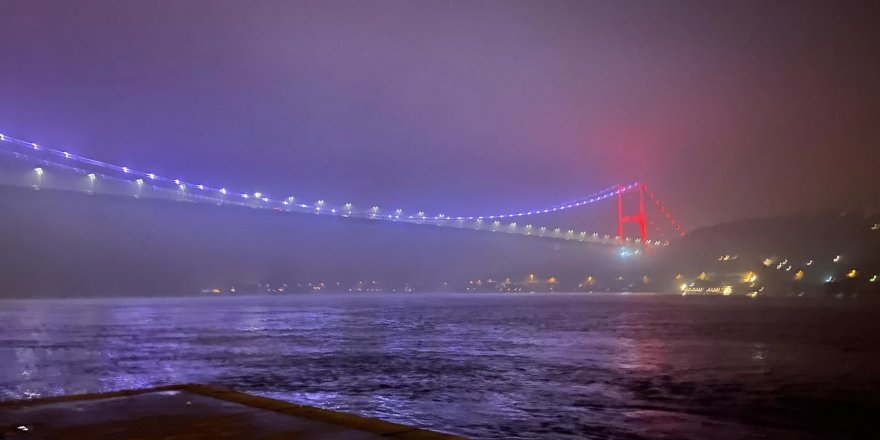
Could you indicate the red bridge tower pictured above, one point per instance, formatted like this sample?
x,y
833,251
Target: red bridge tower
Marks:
x,y
637,218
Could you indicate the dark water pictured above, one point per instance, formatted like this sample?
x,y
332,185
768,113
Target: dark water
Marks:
x,y
486,366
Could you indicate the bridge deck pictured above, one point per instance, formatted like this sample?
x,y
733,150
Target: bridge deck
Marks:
x,y
188,412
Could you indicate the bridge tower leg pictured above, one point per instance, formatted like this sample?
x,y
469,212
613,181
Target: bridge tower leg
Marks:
x,y
637,218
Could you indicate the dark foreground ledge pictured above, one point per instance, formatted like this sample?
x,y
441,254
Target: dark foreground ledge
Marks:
x,y
188,412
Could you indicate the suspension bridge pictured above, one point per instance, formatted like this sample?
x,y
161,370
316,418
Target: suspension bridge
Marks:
x,y
74,172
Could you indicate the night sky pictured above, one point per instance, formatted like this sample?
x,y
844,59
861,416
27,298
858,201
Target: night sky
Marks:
x,y
728,109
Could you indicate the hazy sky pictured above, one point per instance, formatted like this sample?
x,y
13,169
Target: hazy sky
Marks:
x,y
728,109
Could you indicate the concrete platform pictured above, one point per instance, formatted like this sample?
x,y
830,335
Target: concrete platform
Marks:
x,y
188,412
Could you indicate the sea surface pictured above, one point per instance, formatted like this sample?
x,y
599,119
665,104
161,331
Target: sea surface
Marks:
x,y
481,365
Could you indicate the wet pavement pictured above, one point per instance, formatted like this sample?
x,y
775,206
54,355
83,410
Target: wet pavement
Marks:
x,y
187,412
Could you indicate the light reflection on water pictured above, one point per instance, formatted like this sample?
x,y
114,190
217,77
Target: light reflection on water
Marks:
x,y
502,366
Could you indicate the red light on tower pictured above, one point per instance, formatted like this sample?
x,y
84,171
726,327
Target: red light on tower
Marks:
x,y
636,218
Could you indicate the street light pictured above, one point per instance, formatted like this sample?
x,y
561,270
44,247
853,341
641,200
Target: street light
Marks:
x,y
39,173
